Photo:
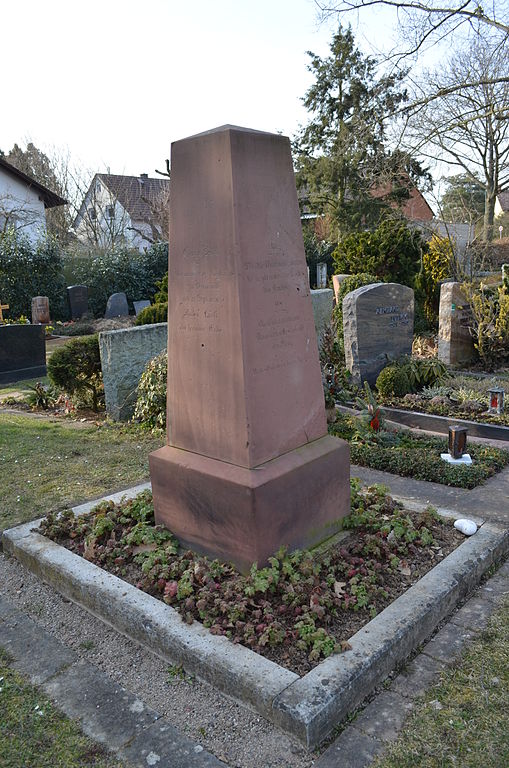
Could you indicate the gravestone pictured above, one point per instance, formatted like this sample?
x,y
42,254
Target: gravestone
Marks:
x,y
124,355
321,275
378,322
40,310
22,352
336,284
77,296
248,464
117,306
455,343
139,305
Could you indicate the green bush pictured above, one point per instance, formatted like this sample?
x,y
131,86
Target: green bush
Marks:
x,y
392,252
150,409
162,294
129,271
410,374
490,323
156,313
437,264
393,381
28,270
75,368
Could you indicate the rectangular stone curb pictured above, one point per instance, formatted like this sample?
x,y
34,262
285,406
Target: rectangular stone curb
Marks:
x,y
231,668
307,707
311,706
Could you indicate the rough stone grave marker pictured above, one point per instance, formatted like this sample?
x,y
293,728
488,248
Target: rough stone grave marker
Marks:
x,y
455,343
248,464
40,310
117,306
378,322
139,305
77,296
336,284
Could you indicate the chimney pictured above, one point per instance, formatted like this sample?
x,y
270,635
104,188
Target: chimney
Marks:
x,y
143,176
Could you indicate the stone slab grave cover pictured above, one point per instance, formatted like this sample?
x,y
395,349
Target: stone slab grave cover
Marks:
x,y
139,305
77,296
117,306
22,352
40,310
455,343
248,464
378,322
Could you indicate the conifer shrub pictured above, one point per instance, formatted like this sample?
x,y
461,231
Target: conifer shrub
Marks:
x,y
75,368
156,313
150,408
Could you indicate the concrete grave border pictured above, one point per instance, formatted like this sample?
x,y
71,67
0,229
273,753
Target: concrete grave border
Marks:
x,y
307,707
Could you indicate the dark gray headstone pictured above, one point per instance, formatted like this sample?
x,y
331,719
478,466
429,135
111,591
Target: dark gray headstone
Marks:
x,y
378,322
77,295
22,352
117,306
139,305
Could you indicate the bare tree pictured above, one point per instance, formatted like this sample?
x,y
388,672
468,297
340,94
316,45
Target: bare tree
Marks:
x,y
425,22
469,128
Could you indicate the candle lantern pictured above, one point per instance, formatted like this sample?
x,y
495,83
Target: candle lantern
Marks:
x,y
496,396
457,441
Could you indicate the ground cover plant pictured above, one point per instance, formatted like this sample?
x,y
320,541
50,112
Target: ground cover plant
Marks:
x,y
405,453
34,733
46,464
464,719
302,606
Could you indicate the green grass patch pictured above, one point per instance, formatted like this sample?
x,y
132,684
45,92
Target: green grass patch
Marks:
x,y
470,725
33,733
47,464
22,386
409,455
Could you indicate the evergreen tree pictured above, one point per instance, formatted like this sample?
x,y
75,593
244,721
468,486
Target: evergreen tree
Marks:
x,y
341,151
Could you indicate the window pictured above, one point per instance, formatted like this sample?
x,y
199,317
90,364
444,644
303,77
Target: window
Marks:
x,y
92,215
110,211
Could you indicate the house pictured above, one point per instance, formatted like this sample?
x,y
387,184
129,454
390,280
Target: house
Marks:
x,y
123,210
23,202
502,205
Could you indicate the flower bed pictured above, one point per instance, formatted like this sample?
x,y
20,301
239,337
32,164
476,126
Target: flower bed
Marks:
x,y
418,456
457,397
303,606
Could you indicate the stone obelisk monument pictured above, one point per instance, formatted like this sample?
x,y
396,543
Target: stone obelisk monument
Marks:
x,y
248,464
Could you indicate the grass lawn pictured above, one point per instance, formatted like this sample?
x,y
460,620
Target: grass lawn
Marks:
x,y
21,386
463,721
47,464
34,733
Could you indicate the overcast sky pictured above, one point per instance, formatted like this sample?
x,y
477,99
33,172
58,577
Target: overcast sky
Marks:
x,y
116,81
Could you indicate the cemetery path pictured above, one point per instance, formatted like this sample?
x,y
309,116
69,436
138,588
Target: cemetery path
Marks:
x,y
486,502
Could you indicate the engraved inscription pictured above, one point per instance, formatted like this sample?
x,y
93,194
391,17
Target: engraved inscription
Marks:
x,y
396,316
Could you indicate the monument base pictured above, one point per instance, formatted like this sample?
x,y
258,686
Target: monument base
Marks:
x,y
245,515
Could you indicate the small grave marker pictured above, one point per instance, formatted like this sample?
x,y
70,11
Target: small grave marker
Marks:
x,y
2,307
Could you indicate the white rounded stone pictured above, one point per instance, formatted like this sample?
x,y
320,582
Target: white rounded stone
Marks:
x,y
468,527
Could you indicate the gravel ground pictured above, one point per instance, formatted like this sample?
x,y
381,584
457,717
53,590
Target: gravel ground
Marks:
x,y
239,737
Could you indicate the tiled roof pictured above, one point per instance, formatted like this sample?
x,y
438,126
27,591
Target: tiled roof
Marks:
x,y
49,198
136,194
503,199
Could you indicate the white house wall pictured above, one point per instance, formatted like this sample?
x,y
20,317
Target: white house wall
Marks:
x,y
28,213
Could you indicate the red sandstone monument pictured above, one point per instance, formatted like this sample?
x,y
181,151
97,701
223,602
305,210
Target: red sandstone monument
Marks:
x,y
248,464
